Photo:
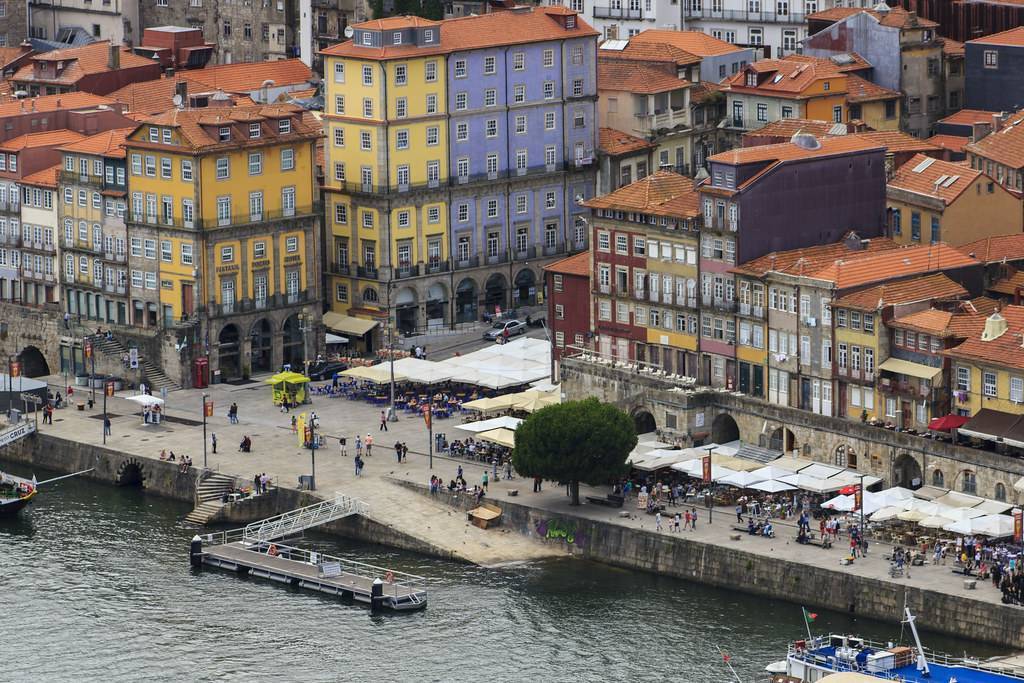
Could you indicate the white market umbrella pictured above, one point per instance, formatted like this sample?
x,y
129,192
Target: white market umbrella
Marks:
x,y
963,527
839,503
934,522
772,472
913,515
995,526
961,514
146,400
503,422
886,513
813,484
742,480
772,486
895,495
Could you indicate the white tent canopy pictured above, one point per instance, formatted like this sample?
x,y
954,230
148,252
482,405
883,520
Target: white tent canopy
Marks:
x,y
743,480
771,472
505,421
813,484
146,400
772,486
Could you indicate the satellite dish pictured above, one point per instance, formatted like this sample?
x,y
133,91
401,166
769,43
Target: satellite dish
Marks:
x,y
177,100
349,32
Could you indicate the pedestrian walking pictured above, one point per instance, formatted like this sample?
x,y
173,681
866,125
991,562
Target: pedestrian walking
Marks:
x,y
657,520
536,484
343,443
687,520
369,445
263,482
405,451
295,425
675,522
106,426
383,421
359,446
508,470
739,513
256,483
213,441
359,466
233,413
484,480
398,451
693,519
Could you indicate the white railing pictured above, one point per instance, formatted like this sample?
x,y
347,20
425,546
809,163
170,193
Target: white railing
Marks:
x,y
298,520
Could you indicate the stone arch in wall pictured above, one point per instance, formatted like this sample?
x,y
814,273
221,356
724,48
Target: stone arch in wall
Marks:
x,y
465,301
437,303
782,439
228,353
967,480
525,290
406,306
293,343
495,291
845,456
643,421
938,478
262,344
131,472
1000,493
906,472
724,429
33,362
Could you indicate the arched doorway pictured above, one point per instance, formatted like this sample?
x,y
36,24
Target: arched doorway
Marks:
x,y
724,429
33,363
228,351
406,310
525,288
261,336
643,422
437,305
292,343
495,292
845,457
465,301
906,471
782,439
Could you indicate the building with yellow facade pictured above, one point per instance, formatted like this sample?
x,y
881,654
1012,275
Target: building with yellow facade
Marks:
x,y
224,216
987,369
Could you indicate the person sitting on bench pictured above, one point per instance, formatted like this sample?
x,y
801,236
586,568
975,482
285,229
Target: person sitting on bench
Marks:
x,y
768,531
246,445
751,527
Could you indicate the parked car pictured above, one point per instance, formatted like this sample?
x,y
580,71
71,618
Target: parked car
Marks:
x,y
514,327
322,371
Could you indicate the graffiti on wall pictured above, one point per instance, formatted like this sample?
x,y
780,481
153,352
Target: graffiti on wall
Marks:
x,y
560,529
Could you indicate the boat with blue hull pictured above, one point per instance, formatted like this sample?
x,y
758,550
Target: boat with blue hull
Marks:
x,y
15,493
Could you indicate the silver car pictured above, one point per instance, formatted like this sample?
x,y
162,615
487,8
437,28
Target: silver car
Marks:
x,y
514,327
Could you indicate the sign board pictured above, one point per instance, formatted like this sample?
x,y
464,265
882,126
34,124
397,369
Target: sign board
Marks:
x,y
88,349
31,398
16,368
208,408
9,436
426,415
706,468
1018,525
858,498
109,388
698,420
133,358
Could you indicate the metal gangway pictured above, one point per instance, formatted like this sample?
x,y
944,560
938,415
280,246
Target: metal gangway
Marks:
x,y
300,519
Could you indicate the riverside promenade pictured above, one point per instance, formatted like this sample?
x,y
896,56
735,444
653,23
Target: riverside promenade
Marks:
x,y
388,488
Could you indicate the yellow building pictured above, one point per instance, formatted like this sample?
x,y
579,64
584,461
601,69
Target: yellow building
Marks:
x,y
930,200
223,207
987,368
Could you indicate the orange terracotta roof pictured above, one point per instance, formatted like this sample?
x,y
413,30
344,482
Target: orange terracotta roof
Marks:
x,y
1004,146
787,128
896,141
695,42
996,249
9,54
1013,38
952,48
80,61
704,91
47,103
578,264
475,31
788,151
637,77
157,96
787,77
51,138
662,193
965,319
954,143
844,62
932,177
888,265
1005,350
48,177
862,90
391,23
616,143
935,287
651,52
109,143
1009,285
250,76
968,117
809,260
930,321
192,124
896,17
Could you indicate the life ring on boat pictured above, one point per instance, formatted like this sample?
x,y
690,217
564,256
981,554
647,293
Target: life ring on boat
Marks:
x,y
389,577
272,550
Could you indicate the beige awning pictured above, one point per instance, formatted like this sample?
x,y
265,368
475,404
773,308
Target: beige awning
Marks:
x,y
347,324
905,367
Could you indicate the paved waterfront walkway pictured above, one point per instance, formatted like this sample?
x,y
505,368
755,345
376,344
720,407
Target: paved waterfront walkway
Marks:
x,y
277,452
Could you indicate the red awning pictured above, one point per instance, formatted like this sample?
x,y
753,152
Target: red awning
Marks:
x,y
948,422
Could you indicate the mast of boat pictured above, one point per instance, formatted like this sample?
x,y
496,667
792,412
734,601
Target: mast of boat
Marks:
x,y
73,474
922,663
725,658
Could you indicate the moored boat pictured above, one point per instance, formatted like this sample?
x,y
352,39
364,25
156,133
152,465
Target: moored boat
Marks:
x,y
15,493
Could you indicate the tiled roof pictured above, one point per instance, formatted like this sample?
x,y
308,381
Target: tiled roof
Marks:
x,y
52,138
46,103
695,42
9,54
1009,285
1004,146
1014,38
615,142
662,193
662,52
157,96
475,31
109,143
935,287
809,260
967,318
896,263
703,91
80,61
954,143
844,61
932,177
1005,350
786,77
968,117
391,23
996,249
250,76
788,151
636,77
578,264
952,48
46,178
862,90
930,321
191,123
896,17
787,128
896,141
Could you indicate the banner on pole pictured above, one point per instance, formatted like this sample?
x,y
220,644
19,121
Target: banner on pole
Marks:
x,y
109,388
1018,525
88,349
15,368
706,464
208,408
858,497
426,416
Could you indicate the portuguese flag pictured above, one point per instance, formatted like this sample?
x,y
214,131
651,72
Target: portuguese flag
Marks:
x,y
809,617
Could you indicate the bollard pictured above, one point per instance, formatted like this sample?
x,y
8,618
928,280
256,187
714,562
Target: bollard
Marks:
x,y
195,551
376,595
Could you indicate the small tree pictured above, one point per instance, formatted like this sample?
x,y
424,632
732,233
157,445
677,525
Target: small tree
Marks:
x,y
577,441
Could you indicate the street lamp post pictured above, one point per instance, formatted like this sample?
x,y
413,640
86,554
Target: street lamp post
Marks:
x,y
392,414
312,452
205,409
108,388
711,497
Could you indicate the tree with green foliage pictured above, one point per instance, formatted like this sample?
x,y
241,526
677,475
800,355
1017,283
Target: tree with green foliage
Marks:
x,y
377,8
576,441
432,9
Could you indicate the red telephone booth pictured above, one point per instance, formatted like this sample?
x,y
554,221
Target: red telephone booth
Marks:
x,y
201,373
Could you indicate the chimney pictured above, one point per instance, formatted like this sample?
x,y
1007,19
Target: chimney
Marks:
x,y
181,89
115,57
998,120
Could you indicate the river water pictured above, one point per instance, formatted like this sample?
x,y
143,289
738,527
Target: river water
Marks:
x,y
96,585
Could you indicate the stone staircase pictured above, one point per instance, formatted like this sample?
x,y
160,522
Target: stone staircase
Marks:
x,y
154,376
209,492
